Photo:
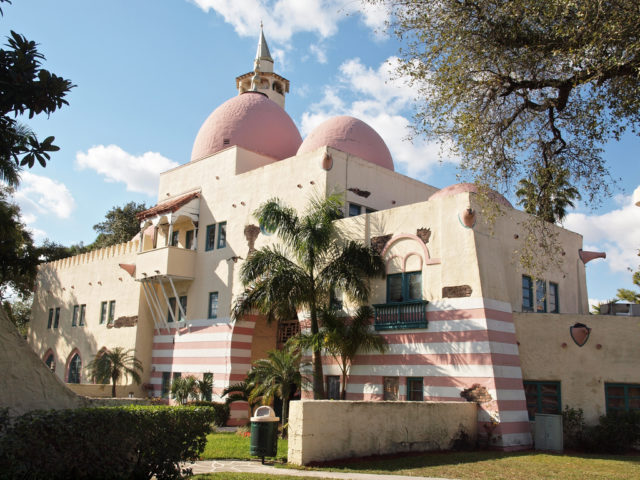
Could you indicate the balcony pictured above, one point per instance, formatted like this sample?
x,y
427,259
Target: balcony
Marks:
x,y
395,316
175,262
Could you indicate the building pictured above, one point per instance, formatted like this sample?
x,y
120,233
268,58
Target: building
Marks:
x,y
456,307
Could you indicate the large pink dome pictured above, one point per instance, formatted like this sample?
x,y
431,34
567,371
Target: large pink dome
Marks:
x,y
250,121
352,136
469,187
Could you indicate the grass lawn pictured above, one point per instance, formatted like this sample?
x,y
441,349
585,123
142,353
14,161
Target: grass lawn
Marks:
x,y
222,445
504,466
245,476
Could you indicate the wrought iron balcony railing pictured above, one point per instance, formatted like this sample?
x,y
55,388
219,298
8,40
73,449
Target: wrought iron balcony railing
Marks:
x,y
392,316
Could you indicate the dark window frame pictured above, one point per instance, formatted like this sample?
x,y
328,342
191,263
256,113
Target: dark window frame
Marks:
x,y
414,392
210,313
527,294
103,312
394,393
626,396
333,384
50,321
554,307
189,236
405,286
56,318
540,395
182,301
174,241
83,313
75,369
74,315
222,235
112,312
210,239
351,209
171,308
541,296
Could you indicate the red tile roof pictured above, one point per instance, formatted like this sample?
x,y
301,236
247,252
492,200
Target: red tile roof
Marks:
x,y
168,206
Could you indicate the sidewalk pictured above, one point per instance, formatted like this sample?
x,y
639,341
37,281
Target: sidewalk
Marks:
x,y
240,466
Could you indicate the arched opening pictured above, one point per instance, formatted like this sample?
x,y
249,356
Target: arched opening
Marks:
x,y
49,360
277,87
75,369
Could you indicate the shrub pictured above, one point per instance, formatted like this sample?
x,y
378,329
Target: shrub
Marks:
x,y
573,427
616,432
221,415
109,442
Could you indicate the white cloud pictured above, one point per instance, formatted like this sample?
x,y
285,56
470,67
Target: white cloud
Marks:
x,y
42,196
319,52
283,18
139,173
616,232
383,101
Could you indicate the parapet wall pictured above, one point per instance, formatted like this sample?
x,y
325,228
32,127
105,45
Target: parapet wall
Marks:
x,y
323,430
95,255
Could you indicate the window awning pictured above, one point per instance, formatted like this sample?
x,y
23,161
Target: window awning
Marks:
x,y
187,205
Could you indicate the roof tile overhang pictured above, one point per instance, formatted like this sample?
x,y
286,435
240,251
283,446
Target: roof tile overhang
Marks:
x,y
169,206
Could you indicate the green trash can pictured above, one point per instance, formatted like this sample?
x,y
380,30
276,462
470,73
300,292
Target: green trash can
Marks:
x,y
264,433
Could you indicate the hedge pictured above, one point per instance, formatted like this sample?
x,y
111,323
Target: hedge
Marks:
x,y
133,442
221,414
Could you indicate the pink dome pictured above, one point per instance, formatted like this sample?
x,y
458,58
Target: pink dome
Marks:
x,y
250,121
469,187
352,136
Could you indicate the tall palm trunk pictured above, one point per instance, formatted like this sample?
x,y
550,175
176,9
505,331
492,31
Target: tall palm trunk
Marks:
x,y
316,357
114,379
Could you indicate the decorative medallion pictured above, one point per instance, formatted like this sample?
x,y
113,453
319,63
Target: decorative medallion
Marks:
x,y
360,193
580,333
424,234
327,162
378,243
251,233
457,291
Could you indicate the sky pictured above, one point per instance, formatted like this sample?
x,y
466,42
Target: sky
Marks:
x,y
148,73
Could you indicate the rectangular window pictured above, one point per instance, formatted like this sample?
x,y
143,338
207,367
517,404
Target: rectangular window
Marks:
x,y
171,311
175,237
622,397
74,317
222,234
103,312
404,287
188,242
56,319
542,397
354,209
370,210
541,296
554,306
527,294
213,305
83,311
333,387
390,387
208,377
50,321
166,384
415,391
211,237
112,311
183,304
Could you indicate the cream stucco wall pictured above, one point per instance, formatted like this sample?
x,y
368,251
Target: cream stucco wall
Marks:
x,y
89,279
327,430
612,354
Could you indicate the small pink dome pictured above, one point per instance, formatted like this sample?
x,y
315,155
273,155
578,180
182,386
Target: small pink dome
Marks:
x,y
469,187
352,136
250,121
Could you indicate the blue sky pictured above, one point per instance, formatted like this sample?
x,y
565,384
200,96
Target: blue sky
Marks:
x,y
148,73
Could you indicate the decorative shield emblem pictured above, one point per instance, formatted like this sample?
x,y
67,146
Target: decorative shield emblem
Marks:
x,y
580,333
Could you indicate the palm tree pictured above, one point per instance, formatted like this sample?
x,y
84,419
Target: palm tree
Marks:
x,y
205,387
301,271
240,392
277,376
110,365
183,388
343,338
548,194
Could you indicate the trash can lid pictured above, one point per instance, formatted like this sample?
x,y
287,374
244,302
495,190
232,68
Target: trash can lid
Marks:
x,y
264,414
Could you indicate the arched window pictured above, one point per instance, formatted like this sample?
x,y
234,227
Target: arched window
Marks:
x,y
49,361
277,87
75,367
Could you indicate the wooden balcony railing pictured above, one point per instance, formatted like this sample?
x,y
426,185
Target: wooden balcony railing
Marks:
x,y
392,316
